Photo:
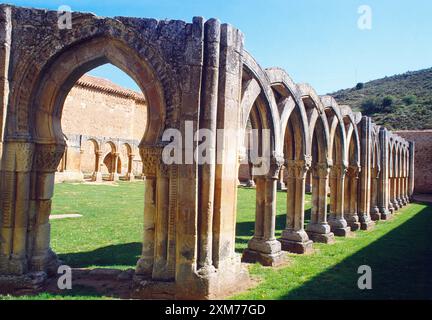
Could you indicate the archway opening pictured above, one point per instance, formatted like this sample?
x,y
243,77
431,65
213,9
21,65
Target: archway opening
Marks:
x,y
103,123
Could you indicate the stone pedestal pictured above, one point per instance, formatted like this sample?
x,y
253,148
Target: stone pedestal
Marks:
x,y
267,253
318,229
97,177
385,214
296,242
375,214
320,233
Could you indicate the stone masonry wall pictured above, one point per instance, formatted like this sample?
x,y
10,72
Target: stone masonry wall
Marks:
x,y
96,107
423,158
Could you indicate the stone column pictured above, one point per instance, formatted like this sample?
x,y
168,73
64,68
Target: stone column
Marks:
x,y
318,229
365,132
351,197
411,169
129,175
263,247
394,197
160,266
47,157
114,176
337,222
399,184
97,174
150,156
294,238
384,184
250,183
280,181
374,209
14,218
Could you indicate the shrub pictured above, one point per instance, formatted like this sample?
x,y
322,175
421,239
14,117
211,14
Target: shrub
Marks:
x,y
409,100
370,105
359,86
387,103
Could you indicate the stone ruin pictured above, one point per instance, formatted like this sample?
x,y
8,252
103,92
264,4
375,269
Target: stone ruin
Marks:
x,y
197,72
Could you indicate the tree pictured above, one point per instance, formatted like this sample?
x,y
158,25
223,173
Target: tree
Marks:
x,y
387,103
359,86
370,105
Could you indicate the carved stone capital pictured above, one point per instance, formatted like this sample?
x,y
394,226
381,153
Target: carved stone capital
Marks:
x,y
321,170
276,163
151,157
338,171
48,156
297,169
353,171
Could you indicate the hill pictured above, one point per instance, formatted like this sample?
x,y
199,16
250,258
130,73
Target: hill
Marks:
x,y
400,102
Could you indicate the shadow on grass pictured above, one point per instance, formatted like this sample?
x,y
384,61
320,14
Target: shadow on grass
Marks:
x,y
116,255
401,263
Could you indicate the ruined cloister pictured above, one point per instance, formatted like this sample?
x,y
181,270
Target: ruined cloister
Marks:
x,y
197,72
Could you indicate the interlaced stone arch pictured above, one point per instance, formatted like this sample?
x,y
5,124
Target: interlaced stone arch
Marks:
x,y
192,74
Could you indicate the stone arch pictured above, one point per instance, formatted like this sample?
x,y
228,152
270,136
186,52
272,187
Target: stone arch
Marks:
x,y
318,229
111,159
96,150
337,156
295,139
352,177
42,79
259,105
376,189
130,157
253,70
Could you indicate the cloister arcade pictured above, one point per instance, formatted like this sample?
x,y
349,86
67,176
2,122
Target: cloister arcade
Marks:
x,y
196,72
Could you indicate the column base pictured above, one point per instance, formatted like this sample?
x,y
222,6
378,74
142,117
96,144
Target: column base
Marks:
x,y
250,184
129,177
353,221
375,213
367,225
29,283
395,206
267,252
341,232
300,247
386,215
265,259
375,216
114,177
321,237
97,177
281,186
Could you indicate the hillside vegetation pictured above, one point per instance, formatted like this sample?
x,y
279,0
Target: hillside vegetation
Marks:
x,y
400,102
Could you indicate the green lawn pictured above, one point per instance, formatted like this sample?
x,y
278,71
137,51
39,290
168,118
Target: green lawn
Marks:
x,y
109,235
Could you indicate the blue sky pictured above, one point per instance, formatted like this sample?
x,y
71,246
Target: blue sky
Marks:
x,y
315,41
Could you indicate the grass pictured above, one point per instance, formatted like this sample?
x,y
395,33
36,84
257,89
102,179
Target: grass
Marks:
x,y
109,233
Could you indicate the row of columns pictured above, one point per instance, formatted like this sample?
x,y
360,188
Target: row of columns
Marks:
x,y
114,176
359,194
